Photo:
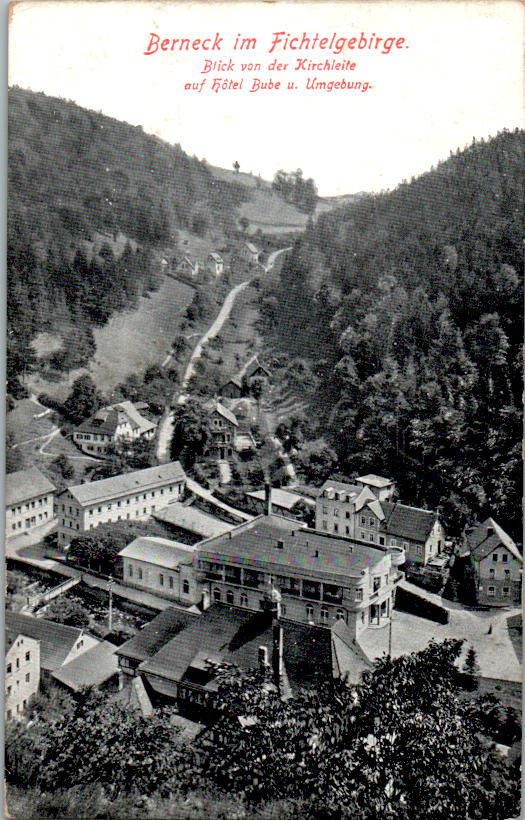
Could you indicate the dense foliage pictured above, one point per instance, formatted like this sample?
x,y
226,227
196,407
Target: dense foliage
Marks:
x,y
402,744
89,200
295,189
414,298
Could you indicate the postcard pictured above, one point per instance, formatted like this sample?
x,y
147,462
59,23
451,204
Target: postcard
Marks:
x,y
264,410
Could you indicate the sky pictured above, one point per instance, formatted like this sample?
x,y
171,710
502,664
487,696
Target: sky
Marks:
x,y
454,72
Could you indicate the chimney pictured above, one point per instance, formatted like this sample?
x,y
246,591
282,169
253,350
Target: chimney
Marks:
x,y
267,498
262,657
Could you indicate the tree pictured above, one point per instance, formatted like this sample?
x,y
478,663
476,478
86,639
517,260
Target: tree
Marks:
x,y
190,433
69,612
105,743
83,401
400,744
63,467
236,166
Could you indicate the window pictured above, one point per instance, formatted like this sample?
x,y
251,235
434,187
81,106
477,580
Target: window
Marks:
x,y
504,558
347,530
363,521
186,587
371,536
161,579
9,690
283,609
130,571
507,573
419,550
490,591
359,594
140,574
491,572
377,584
244,599
170,582
324,525
309,612
28,677
18,663
216,595
28,656
495,557
371,522
336,527
336,512
347,514
340,615
506,591
229,597
324,615
325,509
382,540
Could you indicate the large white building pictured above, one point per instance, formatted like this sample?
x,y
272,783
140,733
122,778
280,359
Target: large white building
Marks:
x,y
162,567
129,496
366,511
321,578
29,500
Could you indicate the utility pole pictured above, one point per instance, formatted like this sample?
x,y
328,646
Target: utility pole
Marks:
x,y
110,590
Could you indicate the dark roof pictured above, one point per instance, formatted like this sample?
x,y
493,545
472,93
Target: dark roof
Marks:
x,y
91,668
56,640
233,380
407,522
155,634
256,543
481,544
232,635
24,484
107,419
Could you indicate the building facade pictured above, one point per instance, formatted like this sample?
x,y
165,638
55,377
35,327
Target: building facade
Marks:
x,y
162,567
497,564
222,428
365,510
22,673
117,422
129,496
321,578
29,500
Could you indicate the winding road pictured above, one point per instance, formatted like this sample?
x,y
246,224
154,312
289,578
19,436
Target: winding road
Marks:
x,y
165,429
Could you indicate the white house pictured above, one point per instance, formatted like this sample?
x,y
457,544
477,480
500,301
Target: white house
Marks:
x,y
29,500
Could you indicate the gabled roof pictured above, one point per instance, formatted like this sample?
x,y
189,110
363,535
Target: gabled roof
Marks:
x,y
107,419
22,485
155,634
158,551
192,519
374,480
282,498
403,521
118,485
217,407
233,380
91,668
56,640
481,544
215,257
232,635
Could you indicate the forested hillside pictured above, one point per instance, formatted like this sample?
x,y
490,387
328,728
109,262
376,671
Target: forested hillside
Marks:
x,y
75,175
413,299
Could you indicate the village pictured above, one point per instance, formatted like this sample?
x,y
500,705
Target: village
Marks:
x,y
140,581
